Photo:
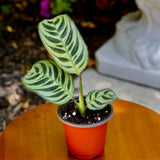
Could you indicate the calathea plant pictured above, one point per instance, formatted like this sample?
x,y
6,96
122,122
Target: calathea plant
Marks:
x,y
51,79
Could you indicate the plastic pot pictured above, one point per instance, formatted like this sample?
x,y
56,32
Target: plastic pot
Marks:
x,y
85,141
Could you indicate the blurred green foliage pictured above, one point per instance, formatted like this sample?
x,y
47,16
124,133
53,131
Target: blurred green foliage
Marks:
x,y
60,6
5,9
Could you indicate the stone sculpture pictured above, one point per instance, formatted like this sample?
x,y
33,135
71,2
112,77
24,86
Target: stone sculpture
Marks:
x,y
133,53
138,35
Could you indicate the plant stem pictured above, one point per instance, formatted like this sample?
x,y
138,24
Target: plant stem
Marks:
x,y
81,106
81,99
78,106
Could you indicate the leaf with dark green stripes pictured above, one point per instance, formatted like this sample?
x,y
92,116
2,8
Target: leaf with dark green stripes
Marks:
x,y
64,43
49,81
99,99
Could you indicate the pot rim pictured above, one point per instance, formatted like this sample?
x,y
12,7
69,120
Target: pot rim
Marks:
x,y
85,125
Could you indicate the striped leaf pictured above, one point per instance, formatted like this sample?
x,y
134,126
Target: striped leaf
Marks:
x,y
50,82
64,43
97,100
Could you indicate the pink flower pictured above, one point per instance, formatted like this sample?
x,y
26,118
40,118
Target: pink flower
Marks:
x,y
45,8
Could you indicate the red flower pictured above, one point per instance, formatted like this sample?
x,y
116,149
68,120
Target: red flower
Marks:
x,y
101,4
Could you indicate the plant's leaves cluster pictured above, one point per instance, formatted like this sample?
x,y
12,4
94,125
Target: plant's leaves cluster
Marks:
x,y
51,79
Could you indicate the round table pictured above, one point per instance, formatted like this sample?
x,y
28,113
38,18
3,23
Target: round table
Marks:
x,y
133,134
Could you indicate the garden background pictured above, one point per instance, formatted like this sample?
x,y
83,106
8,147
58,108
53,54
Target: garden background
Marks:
x,y
20,45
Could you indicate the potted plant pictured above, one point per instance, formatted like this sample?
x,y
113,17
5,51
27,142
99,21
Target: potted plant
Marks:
x,y
85,117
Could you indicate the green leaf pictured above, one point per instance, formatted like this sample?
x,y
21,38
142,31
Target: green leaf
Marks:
x,y
5,9
60,6
97,100
64,43
50,82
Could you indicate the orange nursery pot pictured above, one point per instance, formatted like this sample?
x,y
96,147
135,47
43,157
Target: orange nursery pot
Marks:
x,y
85,141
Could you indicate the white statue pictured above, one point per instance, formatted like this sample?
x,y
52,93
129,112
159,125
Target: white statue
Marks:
x,y
133,53
137,36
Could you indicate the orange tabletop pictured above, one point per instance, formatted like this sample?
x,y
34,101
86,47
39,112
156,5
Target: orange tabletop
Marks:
x,y
133,134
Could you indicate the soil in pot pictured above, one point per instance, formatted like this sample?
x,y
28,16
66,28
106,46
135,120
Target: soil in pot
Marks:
x,y
70,113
